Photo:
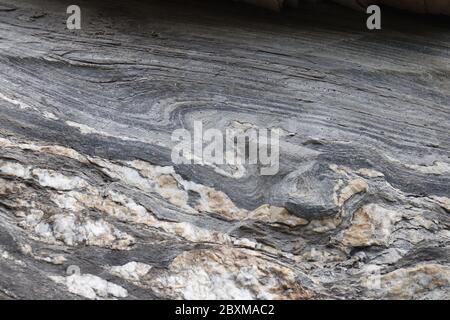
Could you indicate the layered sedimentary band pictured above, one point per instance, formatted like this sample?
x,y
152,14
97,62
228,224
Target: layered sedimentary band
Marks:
x,y
92,205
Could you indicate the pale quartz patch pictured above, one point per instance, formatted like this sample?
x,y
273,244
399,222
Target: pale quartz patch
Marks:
x,y
365,172
341,170
143,176
353,187
227,273
444,202
276,215
50,115
325,224
193,233
438,168
110,202
369,173
15,169
5,255
50,258
58,181
46,178
67,201
91,287
162,180
125,209
431,280
52,149
84,129
371,225
65,152
73,230
148,178
56,260
8,187
216,202
132,271
174,188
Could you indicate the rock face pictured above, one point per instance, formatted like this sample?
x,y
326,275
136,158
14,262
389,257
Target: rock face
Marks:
x,y
92,207
422,6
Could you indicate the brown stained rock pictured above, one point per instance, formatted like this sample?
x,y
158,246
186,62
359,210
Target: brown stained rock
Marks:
x,y
167,181
85,139
227,273
354,187
444,202
425,281
371,225
276,215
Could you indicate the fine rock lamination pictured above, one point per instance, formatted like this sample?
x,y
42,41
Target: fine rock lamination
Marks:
x,y
92,207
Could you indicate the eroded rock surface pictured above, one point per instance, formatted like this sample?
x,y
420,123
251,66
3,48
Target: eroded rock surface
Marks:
x,y
92,207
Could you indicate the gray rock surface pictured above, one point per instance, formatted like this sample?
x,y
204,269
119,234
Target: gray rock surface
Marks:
x,y
92,207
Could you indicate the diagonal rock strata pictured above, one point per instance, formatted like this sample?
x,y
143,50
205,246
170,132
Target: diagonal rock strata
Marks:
x,y
359,208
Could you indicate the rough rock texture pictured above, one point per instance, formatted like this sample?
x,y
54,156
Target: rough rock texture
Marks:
x,y
422,6
91,205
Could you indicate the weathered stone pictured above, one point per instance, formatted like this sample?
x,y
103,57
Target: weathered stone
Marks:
x,y
87,182
424,281
372,225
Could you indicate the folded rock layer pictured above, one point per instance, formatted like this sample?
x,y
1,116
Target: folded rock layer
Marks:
x,y
93,207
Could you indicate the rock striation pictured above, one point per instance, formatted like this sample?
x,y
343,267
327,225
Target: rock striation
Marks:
x,y
92,207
